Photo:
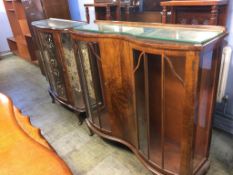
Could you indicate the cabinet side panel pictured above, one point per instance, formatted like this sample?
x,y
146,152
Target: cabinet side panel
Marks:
x,y
203,118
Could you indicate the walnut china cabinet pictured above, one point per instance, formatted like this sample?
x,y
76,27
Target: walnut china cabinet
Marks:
x,y
151,87
58,62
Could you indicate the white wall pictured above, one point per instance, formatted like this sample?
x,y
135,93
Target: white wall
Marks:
x,y
83,12
229,89
230,23
5,29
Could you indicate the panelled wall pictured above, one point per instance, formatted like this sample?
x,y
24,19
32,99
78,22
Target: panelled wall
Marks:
x,y
230,42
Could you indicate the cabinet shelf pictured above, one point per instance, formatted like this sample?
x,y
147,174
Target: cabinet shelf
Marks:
x,y
13,45
11,10
28,35
12,39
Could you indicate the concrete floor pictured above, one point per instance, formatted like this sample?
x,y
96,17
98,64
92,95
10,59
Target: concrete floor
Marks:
x,y
85,155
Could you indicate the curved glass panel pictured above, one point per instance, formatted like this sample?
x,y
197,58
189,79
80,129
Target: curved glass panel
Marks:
x,y
54,69
72,71
158,85
174,91
90,68
141,108
204,113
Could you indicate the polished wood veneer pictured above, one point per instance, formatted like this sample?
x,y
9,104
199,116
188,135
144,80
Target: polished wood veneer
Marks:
x,y
23,150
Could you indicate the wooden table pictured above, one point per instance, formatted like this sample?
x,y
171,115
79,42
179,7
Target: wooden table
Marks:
x,y
23,151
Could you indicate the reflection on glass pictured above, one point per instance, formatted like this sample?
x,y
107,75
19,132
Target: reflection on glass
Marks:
x,y
90,60
87,70
72,70
154,86
83,48
53,66
173,112
142,118
158,115
56,24
185,34
204,112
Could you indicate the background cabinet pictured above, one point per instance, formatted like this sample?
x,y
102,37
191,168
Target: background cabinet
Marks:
x,y
126,10
21,13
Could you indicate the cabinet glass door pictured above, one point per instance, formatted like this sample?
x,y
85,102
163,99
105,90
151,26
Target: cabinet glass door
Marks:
x,y
88,61
52,65
72,71
159,96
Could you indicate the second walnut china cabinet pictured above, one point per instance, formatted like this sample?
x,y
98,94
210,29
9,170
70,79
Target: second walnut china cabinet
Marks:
x,y
151,87
58,62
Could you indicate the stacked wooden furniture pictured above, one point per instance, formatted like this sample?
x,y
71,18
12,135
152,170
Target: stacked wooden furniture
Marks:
x,y
207,12
22,148
104,9
152,87
58,62
20,28
21,14
126,10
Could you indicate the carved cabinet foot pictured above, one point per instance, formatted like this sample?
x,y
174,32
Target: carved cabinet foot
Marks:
x,y
52,97
81,117
91,133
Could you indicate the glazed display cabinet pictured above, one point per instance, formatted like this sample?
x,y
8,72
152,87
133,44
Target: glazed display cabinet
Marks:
x,y
152,88
58,62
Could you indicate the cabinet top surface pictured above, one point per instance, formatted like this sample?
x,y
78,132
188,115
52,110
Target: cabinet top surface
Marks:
x,y
187,34
56,24
194,3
